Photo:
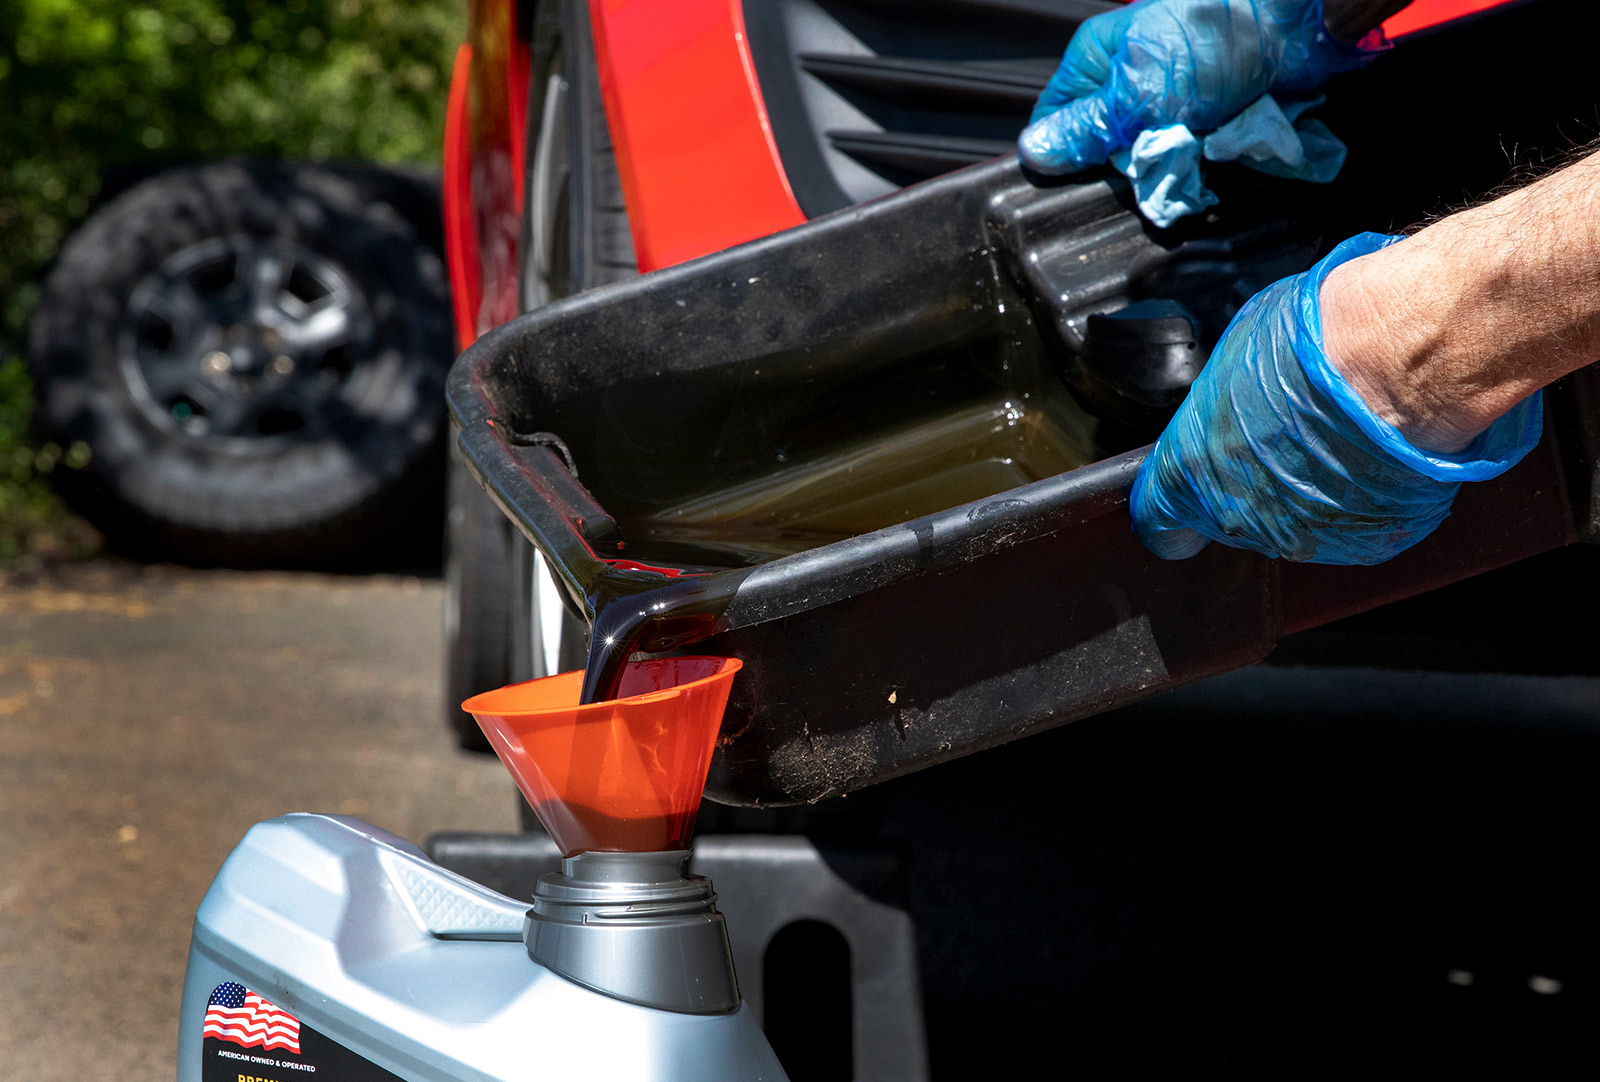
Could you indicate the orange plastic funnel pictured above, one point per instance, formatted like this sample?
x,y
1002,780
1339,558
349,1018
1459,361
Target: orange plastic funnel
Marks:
x,y
620,776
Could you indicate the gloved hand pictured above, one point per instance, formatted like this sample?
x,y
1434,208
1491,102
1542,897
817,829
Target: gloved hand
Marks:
x,y
1156,63
1274,452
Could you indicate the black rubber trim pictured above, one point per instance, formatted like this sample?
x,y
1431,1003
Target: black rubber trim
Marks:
x,y
601,245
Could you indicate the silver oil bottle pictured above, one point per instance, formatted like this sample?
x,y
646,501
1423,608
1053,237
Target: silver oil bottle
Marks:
x,y
373,963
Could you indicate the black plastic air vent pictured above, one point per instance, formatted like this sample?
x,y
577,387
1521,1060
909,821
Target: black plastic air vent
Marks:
x,y
914,156
866,96
920,83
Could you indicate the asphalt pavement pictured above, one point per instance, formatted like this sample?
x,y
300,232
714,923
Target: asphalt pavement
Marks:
x,y
148,717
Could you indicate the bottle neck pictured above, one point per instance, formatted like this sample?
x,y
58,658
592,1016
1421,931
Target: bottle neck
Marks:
x,y
637,927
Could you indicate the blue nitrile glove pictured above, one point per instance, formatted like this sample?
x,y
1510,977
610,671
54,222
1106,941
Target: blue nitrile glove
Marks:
x,y
1274,452
1164,163
1156,63
1277,138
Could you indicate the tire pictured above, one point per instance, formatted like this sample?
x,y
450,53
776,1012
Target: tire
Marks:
x,y
479,550
504,617
255,356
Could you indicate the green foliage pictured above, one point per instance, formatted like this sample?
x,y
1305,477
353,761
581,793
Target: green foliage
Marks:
x,y
30,519
91,84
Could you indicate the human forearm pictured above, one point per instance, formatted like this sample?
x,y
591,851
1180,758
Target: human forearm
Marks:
x,y
1349,20
1443,333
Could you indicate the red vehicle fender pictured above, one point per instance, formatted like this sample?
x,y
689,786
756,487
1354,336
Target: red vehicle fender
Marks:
x,y
1422,14
485,147
460,232
700,171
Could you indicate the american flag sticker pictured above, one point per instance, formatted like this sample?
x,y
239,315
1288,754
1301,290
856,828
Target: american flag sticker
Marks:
x,y
234,1013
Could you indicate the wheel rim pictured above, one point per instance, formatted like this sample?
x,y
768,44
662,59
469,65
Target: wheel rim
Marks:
x,y
241,344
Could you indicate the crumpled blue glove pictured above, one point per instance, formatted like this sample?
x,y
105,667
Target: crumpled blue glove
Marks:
x,y
1156,63
1274,452
1164,163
